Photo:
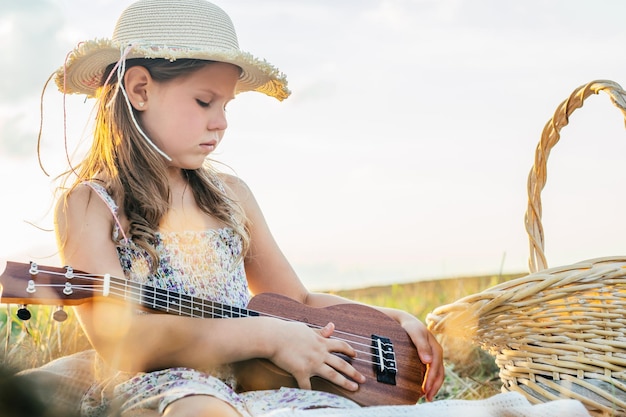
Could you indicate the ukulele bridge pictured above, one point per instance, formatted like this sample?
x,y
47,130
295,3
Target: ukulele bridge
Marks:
x,y
384,360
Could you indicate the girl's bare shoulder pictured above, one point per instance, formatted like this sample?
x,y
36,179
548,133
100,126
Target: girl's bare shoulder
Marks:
x,y
82,203
235,185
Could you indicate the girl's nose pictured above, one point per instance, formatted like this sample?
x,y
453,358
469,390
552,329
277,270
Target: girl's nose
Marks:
x,y
218,120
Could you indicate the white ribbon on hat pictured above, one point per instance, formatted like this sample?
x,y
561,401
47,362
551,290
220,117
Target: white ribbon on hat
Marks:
x,y
121,69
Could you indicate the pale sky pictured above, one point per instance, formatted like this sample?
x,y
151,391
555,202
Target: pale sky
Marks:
x,y
404,150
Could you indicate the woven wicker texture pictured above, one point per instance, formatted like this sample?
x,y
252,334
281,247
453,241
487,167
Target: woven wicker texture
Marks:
x,y
558,332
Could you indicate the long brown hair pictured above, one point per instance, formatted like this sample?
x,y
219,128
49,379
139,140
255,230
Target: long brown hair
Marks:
x,y
134,173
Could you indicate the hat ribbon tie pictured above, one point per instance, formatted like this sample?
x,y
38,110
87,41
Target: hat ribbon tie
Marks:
x,y
120,67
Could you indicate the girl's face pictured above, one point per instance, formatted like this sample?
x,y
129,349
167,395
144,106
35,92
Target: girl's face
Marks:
x,y
186,116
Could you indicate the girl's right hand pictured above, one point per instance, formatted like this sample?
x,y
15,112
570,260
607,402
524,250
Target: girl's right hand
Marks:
x,y
305,352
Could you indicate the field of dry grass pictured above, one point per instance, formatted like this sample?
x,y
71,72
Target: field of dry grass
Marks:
x,y
470,373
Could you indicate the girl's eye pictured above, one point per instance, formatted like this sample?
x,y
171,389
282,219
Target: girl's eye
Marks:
x,y
202,103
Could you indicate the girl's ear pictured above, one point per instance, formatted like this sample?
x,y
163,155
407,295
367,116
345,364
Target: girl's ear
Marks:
x,y
137,81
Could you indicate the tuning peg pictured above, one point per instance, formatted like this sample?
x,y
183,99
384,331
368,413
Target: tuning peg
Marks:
x,y
69,272
23,313
59,315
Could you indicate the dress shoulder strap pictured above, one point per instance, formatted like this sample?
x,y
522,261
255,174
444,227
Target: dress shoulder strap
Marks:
x,y
104,195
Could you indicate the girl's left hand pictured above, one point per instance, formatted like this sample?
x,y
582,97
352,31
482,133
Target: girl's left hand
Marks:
x,y
428,349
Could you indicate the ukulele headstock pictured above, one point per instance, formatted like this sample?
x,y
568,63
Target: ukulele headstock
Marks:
x,y
25,284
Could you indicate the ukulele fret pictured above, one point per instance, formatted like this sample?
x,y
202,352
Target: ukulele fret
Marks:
x,y
187,306
161,300
133,291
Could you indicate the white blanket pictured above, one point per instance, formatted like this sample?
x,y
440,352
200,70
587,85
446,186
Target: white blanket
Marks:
x,y
510,404
71,375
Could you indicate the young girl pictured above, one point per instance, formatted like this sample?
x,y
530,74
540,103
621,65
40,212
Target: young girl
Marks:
x,y
145,204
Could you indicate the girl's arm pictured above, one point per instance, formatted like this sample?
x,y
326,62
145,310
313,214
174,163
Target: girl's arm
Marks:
x,y
269,271
144,342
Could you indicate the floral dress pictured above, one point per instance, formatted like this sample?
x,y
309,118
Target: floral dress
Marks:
x,y
202,264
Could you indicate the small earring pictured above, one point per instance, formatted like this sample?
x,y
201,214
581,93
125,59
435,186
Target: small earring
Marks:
x,y
141,104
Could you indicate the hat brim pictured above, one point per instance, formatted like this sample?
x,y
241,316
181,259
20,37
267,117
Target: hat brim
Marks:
x,y
85,66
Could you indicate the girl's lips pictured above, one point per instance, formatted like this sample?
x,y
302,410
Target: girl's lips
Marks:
x,y
209,146
209,143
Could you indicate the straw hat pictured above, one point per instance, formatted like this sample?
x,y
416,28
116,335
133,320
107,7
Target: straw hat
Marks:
x,y
169,29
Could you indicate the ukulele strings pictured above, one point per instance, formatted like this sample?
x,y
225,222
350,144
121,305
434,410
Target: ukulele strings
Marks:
x,y
149,297
216,310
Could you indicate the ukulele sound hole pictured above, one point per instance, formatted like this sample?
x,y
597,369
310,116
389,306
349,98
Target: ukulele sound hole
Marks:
x,y
384,360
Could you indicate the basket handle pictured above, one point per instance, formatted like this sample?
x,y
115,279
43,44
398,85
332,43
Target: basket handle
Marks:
x,y
549,137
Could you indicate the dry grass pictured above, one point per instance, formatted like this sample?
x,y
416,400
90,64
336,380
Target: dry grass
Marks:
x,y
470,372
32,343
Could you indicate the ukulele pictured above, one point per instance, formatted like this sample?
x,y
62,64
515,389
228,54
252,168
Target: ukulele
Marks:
x,y
385,353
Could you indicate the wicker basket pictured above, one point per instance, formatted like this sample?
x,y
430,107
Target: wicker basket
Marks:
x,y
558,332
